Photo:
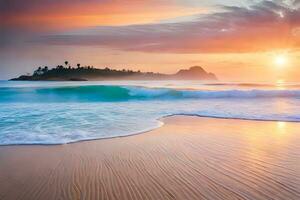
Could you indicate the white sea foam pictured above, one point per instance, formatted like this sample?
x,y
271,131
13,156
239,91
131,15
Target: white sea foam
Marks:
x,y
58,113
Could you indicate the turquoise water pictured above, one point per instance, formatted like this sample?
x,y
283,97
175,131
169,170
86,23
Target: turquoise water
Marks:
x,y
64,112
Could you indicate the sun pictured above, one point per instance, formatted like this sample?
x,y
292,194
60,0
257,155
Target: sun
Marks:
x,y
280,60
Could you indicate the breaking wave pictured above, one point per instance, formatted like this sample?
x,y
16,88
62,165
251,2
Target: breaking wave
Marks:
x,y
100,93
62,114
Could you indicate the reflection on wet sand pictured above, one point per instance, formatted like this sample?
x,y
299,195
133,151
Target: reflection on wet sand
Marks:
x,y
187,158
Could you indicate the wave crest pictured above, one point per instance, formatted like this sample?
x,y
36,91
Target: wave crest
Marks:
x,y
124,93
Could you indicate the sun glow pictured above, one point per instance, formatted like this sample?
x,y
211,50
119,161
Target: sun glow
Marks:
x,y
280,82
280,60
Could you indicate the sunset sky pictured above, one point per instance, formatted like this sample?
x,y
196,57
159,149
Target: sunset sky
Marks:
x,y
240,40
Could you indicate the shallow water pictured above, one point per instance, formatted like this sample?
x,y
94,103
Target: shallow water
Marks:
x,y
64,112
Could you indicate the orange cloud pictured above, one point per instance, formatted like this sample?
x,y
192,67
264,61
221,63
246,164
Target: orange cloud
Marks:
x,y
66,13
265,26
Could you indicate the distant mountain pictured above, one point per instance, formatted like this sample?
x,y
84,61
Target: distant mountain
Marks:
x,y
195,72
68,73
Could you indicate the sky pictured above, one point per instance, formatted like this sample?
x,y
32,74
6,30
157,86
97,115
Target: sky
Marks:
x,y
238,40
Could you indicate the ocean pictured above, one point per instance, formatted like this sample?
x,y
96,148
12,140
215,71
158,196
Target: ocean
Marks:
x,y
66,112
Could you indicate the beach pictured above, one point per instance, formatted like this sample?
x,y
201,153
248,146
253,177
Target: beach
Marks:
x,y
187,158
150,100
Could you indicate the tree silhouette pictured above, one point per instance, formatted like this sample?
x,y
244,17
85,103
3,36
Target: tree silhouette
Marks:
x,y
66,72
45,69
38,71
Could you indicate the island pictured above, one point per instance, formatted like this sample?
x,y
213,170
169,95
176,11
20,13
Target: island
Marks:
x,y
87,73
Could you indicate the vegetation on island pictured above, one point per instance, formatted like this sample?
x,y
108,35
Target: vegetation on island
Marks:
x,y
82,73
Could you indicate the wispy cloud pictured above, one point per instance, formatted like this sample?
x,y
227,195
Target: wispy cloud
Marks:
x,y
62,14
264,26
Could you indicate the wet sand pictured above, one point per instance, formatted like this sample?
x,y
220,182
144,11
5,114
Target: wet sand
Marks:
x,y
187,158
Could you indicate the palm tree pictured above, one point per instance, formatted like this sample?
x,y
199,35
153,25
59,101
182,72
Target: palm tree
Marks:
x,y
38,71
66,63
78,65
45,69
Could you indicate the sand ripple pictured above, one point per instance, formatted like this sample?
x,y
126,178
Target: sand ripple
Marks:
x,y
188,158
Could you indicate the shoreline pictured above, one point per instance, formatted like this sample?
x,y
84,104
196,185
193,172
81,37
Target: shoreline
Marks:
x,y
160,124
187,158
88,140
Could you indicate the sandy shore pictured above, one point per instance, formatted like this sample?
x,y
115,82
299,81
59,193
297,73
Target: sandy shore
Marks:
x,y
187,158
